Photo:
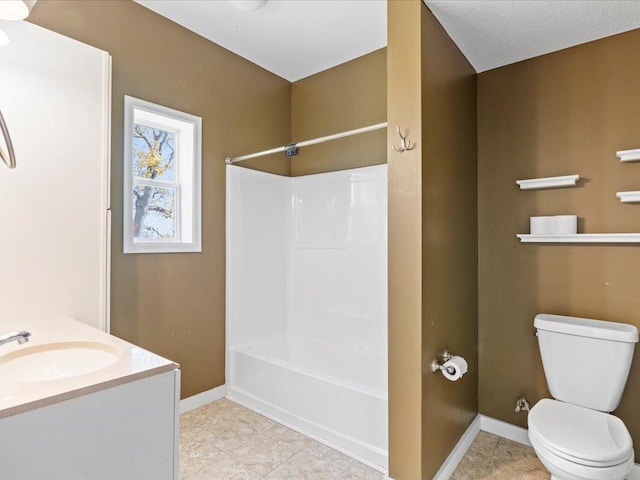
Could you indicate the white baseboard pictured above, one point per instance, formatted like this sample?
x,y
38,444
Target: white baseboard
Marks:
x,y
203,398
504,430
447,468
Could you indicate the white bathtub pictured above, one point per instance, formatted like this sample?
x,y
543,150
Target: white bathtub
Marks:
x,y
332,393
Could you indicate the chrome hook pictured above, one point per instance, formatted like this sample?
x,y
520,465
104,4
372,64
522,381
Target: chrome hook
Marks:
x,y
404,143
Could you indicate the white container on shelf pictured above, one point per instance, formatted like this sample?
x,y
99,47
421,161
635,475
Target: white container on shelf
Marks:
x,y
566,224
542,225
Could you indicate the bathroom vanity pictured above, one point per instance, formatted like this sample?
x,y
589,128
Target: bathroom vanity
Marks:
x,y
79,404
75,403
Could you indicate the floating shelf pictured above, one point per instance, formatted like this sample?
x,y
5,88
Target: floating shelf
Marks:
x,y
628,197
629,155
548,182
582,238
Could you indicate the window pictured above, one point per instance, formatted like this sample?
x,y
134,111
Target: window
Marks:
x,y
162,179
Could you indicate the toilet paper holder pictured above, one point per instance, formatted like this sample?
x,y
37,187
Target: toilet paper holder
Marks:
x,y
437,365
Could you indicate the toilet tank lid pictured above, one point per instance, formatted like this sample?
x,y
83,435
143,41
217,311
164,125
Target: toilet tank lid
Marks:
x,y
587,327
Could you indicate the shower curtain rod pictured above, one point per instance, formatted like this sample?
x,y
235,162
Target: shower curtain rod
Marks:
x,y
292,148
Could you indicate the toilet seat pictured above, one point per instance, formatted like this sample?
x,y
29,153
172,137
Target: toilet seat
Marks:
x,y
579,435
568,470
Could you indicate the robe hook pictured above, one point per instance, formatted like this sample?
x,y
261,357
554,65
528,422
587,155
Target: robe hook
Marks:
x,y
404,143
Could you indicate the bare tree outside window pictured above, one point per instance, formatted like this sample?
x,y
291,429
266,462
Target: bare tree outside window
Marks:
x,y
155,184
162,197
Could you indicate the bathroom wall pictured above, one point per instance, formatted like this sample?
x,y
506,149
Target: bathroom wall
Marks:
x,y
563,113
449,239
432,240
259,245
405,241
308,256
173,304
339,259
345,97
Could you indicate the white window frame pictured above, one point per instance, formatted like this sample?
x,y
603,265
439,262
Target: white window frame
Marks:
x,y
187,183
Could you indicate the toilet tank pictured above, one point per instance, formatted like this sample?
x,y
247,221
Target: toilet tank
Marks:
x,y
586,362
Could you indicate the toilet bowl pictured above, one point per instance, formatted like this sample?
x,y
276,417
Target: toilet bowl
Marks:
x,y
577,443
586,364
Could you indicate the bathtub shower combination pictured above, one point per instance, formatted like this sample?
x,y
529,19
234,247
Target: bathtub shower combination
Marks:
x,y
307,303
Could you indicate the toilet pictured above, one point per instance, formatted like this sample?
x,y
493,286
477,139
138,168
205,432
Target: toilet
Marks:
x,y
586,363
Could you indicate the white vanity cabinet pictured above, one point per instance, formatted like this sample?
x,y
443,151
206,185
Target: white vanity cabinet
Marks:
x,y
66,416
126,432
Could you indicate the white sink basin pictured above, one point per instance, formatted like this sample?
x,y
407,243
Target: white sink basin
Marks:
x,y
55,361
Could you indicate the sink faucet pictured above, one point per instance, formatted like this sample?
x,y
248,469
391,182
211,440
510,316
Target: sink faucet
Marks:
x,y
20,337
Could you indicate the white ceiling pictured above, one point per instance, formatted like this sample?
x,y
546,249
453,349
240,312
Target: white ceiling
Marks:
x,y
297,38
291,38
493,33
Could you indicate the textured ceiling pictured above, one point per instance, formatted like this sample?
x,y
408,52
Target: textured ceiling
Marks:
x,y
291,38
297,38
493,33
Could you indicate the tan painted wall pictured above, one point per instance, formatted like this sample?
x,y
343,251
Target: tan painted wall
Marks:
x,y
173,304
346,97
432,240
405,240
449,240
563,113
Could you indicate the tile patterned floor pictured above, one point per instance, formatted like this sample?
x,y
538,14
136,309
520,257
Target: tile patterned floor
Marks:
x,y
224,441
495,458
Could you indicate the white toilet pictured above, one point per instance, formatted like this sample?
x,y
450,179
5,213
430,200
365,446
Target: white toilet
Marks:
x,y
586,364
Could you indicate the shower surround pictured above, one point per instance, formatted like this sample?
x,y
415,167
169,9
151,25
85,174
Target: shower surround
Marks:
x,y
307,303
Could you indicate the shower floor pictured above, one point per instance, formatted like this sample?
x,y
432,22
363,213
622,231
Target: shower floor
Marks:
x,y
225,441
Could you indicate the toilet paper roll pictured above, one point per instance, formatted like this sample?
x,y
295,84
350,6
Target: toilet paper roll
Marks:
x,y
456,365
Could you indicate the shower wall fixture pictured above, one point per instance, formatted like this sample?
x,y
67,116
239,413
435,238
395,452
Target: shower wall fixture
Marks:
x,y
307,303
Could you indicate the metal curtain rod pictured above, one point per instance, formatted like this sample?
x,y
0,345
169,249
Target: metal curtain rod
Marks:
x,y
292,148
8,158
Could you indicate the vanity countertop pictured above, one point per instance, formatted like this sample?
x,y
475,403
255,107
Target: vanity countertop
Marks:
x,y
33,375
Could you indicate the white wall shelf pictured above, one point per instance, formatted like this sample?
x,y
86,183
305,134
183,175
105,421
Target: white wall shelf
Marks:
x,y
629,197
548,182
629,155
581,238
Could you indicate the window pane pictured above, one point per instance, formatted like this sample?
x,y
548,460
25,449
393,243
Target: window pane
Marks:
x,y
154,153
154,212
